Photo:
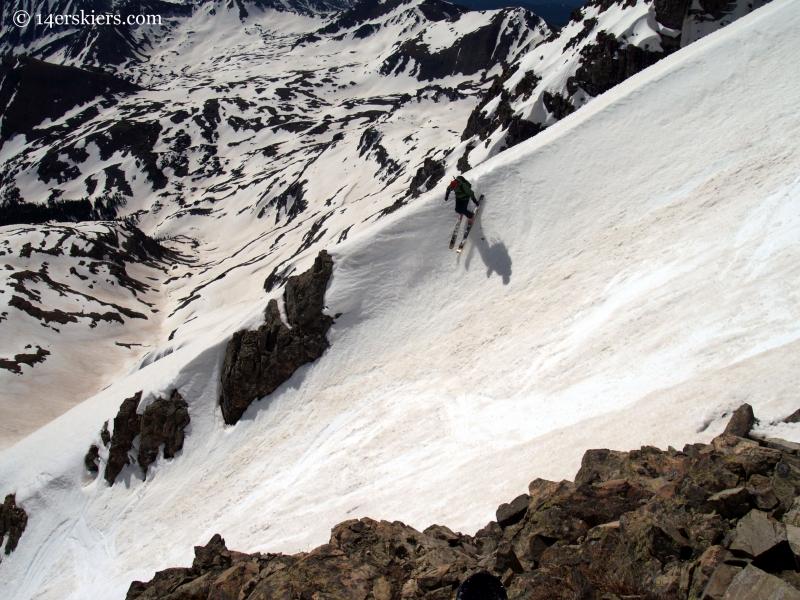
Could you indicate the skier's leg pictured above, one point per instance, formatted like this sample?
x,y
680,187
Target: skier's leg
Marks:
x,y
462,208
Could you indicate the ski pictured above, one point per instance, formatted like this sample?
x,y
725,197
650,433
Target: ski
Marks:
x,y
469,225
455,232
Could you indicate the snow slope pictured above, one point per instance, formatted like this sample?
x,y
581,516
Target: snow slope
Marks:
x,y
249,151
633,277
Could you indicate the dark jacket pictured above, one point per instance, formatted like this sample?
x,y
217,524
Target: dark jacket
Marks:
x,y
463,191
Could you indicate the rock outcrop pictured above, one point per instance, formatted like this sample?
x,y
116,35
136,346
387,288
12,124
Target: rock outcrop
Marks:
x,y
163,422
126,428
13,521
712,521
257,362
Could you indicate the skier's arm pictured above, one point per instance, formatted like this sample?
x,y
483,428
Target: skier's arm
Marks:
x,y
447,195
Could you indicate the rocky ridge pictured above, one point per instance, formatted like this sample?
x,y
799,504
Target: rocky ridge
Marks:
x,y
709,522
604,43
258,362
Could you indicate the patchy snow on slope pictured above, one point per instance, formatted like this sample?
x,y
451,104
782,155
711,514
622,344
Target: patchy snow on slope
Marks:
x,y
253,145
632,278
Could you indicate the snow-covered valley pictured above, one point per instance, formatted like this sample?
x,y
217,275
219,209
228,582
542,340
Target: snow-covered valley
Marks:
x,y
631,279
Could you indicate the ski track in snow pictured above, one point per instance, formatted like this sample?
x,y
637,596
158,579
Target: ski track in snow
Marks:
x,y
632,278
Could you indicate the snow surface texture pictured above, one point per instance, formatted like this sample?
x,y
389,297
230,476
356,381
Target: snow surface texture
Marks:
x,y
262,150
261,137
632,278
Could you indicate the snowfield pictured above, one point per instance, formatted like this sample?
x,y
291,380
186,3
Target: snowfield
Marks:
x,y
633,277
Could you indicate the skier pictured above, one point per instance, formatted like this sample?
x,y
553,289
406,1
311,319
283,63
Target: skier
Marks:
x,y
481,586
464,194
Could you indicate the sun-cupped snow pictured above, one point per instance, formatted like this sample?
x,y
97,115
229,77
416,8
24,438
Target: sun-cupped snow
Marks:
x,y
245,145
632,277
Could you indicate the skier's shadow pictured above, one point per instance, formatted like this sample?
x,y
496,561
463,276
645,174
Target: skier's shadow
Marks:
x,y
493,254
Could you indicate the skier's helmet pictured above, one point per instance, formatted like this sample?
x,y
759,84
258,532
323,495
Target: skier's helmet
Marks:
x,y
481,586
453,183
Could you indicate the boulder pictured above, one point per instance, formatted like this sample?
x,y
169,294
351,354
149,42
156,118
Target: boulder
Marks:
x,y
785,479
752,583
731,504
755,534
601,465
213,554
720,581
258,362
782,445
513,512
704,568
741,421
506,558
762,494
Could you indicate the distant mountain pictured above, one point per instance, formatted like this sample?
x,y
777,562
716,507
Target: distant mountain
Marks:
x,y
113,46
604,43
555,13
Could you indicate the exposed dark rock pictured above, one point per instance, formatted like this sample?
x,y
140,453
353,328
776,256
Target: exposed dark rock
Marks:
x,y
32,91
512,513
642,524
13,520
105,436
557,105
672,13
526,85
90,460
605,64
126,428
163,422
753,583
782,445
370,144
361,12
756,534
26,358
427,177
588,26
463,163
520,129
258,362
793,418
741,422
14,213
478,122
476,51
731,504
